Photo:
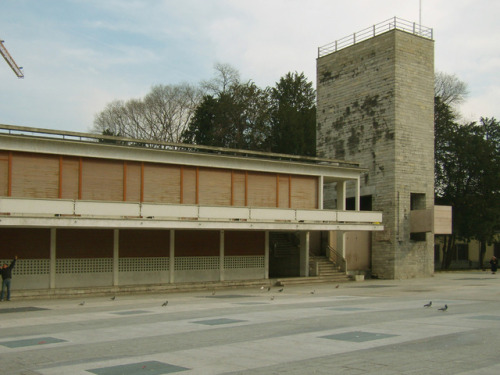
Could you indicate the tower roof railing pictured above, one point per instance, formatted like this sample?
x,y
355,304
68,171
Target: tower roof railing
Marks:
x,y
394,23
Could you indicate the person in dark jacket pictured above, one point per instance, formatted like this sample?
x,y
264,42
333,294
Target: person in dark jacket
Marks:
x,y
493,264
6,273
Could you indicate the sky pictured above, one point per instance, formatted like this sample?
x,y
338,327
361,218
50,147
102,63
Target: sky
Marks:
x,y
79,55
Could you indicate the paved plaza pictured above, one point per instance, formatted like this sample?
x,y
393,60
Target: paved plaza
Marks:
x,y
367,327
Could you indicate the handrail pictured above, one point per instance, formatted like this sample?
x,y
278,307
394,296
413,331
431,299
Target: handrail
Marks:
x,y
394,23
337,259
162,145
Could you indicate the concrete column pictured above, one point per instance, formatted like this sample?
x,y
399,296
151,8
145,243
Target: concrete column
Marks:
x,y
341,193
358,194
171,259
116,254
266,255
341,248
52,262
320,192
304,254
221,256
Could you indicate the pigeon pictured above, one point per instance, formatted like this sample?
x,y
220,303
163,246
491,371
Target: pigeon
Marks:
x,y
337,286
313,291
281,290
443,308
165,303
272,298
82,303
268,288
261,288
113,298
428,304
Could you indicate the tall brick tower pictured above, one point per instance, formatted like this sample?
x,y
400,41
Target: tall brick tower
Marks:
x,y
376,106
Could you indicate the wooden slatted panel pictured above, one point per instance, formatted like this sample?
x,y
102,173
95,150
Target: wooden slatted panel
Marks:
x,y
215,187
261,190
304,192
133,182
197,243
70,175
238,188
102,180
189,185
244,243
161,183
4,173
284,201
35,176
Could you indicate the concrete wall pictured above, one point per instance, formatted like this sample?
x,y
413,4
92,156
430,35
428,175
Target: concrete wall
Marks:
x,y
376,106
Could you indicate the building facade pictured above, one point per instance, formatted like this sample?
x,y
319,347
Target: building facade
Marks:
x,y
83,210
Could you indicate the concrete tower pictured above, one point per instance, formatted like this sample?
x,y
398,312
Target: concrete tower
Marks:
x,y
376,107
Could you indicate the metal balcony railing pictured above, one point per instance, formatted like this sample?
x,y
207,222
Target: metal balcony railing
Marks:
x,y
377,29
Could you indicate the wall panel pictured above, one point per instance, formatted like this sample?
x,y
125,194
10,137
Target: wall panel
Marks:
x,y
70,174
35,175
261,189
161,183
102,180
26,243
244,243
4,173
133,182
215,187
197,243
238,188
304,194
84,243
144,243
284,190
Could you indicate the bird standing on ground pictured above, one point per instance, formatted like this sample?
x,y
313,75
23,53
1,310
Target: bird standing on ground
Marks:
x,y
82,303
281,290
268,288
337,286
165,303
428,304
113,298
272,298
443,308
313,291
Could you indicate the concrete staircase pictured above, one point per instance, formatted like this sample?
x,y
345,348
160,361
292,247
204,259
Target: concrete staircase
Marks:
x,y
327,272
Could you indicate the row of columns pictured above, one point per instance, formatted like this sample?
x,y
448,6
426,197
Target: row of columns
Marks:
x,y
304,256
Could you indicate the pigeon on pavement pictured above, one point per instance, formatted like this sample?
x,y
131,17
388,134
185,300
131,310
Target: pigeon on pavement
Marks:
x,y
428,304
443,308
165,303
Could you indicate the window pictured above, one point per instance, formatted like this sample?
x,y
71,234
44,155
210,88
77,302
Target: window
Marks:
x,y
417,201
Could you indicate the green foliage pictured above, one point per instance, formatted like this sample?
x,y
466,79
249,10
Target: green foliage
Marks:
x,y
467,171
243,116
293,116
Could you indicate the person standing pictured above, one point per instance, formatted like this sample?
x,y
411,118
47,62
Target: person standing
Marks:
x,y
6,272
493,264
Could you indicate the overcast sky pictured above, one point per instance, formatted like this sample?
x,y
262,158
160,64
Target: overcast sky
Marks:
x,y
79,55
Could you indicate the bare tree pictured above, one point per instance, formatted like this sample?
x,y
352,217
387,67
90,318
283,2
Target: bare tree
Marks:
x,y
449,89
225,77
162,115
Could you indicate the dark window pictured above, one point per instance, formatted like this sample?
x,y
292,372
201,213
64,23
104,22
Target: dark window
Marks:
x,y
365,203
417,201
